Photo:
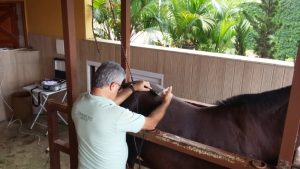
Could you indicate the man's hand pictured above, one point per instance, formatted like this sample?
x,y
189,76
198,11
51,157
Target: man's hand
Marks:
x,y
158,113
167,95
142,86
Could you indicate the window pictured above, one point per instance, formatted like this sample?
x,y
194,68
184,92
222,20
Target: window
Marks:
x,y
12,26
154,78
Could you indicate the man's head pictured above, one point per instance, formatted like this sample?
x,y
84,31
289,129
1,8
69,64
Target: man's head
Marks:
x,y
109,75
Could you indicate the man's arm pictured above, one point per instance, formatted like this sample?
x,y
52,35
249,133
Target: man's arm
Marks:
x,y
157,114
125,93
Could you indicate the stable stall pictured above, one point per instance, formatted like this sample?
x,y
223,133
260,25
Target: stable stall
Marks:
x,y
182,145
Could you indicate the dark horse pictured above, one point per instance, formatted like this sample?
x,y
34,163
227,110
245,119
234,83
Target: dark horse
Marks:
x,y
250,125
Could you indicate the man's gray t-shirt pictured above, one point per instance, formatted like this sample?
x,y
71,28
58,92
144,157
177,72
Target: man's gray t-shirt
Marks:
x,y
101,127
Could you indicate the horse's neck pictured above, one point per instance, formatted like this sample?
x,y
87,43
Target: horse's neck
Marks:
x,y
179,117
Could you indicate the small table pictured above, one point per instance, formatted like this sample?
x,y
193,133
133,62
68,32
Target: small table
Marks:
x,y
45,95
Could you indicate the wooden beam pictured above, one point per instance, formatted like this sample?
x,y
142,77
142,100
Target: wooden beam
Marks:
x,y
68,20
200,151
292,119
125,37
62,145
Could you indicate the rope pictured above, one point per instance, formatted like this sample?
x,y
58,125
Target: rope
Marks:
x,y
138,149
96,42
126,61
94,34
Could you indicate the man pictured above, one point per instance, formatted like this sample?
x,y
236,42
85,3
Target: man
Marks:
x,y
101,124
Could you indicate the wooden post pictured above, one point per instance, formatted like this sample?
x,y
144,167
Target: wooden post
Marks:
x,y
70,44
68,21
52,136
292,119
125,36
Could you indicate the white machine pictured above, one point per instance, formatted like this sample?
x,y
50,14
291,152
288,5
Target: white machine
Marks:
x,y
53,85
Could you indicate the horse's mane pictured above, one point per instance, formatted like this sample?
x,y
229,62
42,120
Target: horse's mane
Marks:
x,y
259,102
270,99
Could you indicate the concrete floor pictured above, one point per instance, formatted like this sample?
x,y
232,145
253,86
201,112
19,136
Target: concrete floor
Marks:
x,y
21,148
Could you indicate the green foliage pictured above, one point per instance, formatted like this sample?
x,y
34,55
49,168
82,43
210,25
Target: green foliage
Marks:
x,y
287,36
144,14
252,9
269,27
265,26
224,30
242,30
107,15
188,22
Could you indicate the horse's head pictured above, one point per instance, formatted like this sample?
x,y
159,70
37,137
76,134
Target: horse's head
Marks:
x,y
144,102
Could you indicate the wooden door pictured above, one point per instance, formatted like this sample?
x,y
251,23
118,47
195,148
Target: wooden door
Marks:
x,y
9,34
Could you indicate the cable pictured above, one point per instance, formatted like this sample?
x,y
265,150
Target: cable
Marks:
x,y
22,132
8,106
11,121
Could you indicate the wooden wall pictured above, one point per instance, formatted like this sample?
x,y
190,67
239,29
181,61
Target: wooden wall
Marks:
x,y
47,48
17,69
206,78
196,75
201,76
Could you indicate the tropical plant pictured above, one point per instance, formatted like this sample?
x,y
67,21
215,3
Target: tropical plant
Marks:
x,y
224,30
265,26
144,14
188,22
107,16
242,30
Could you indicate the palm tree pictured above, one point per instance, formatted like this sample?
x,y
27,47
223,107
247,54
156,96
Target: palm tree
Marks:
x,y
242,30
187,21
107,17
144,14
222,33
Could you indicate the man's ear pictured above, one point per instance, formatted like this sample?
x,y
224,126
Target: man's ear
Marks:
x,y
111,86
